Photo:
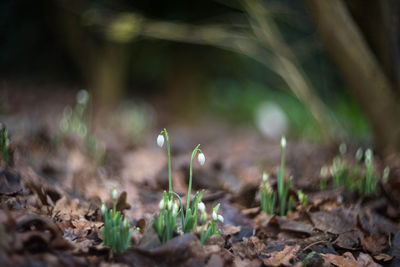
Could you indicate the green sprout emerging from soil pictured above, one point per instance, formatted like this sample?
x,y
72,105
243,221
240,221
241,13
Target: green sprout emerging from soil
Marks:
x,y
166,223
360,176
268,197
116,232
5,144
212,225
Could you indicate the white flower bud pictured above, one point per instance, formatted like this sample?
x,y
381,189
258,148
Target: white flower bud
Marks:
x,y
170,204
82,97
175,209
368,155
161,204
201,158
201,207
160,140
283,142
103,208
114,193
265,177
214,216
220,218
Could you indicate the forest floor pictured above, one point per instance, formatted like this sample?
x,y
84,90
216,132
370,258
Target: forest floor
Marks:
x,y
51,195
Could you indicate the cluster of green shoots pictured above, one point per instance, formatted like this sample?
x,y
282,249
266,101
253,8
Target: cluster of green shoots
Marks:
x,y
171,206
269,198
74,121
116,231
361,176
5,144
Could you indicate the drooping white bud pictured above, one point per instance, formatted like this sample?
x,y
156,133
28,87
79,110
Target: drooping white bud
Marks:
x,y
342,149
201,207
201,158
114,193
175,209
161,204
170,204
220,218
359,154
214,216
283,142
265,177
368,155
82,97
103,208
160,140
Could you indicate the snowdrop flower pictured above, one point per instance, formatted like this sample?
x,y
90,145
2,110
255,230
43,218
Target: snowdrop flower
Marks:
x,y
214,216
265,177
103,208
201,207
368,155
160,140
220,218
114,193
82,97
175,209
161,204
201,158
283,142
170,204
359,154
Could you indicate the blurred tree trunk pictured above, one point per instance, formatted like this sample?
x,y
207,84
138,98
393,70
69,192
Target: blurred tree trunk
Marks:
x,y
103,64
365,48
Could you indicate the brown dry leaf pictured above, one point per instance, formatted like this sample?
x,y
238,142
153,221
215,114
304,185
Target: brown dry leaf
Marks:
x,y
255,244
294,226
121,202
374,243
283,257
336,221
349,240
383,257
237,262
263,220
347,260
231,229
365,260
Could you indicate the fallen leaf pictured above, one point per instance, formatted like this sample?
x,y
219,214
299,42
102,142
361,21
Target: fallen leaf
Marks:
x,y
231,229
383,257
365,260
349,240
283,257
374,243
294,226
336,221
121,202
347,260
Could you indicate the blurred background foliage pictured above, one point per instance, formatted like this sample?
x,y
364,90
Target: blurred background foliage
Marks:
x,y
216,58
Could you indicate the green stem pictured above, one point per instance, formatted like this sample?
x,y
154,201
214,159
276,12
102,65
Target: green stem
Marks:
x,y
169,161
190,177
281,180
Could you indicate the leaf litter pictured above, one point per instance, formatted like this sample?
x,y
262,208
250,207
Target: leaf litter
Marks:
x,y
50,203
